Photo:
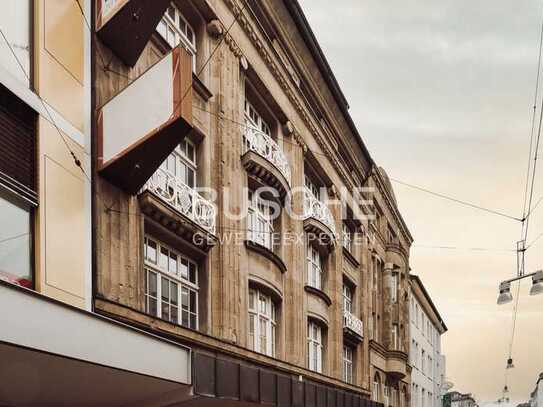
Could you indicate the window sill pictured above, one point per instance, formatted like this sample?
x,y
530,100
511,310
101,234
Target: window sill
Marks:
x,y
270,255
319,293
200,88
349,256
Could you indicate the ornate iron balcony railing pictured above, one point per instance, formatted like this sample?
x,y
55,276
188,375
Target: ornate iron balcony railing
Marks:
x,y
313,208
353,323
265,146
182,198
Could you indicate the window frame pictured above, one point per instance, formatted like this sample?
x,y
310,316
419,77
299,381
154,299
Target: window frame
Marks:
x,y
348,364
315,267
269,318
395,337
184,285
260,227
394,287
257,122
348,298
315,344
347,237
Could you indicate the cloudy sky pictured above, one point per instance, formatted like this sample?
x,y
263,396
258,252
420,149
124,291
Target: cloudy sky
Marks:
x,y
442,93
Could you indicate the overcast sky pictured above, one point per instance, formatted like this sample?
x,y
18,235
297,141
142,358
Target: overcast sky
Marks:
x,y
442,93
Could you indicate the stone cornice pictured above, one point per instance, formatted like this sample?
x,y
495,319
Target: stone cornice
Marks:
x,y
289,90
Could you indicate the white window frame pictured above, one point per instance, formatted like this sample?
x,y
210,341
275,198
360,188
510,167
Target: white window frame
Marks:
x,y
348,296
394,287
171,273
259,221
387,396
180,30
347,238
180,158
376,388
348,361
315,346
262,323
254,119
314,267
312,187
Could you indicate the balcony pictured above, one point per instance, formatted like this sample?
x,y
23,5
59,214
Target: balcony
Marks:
x,y
140,126
263,158
318,219
179,208
125,26
352,327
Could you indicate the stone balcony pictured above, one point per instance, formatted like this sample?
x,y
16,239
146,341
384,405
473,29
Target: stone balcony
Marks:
x,y
353,327
264,159
318,219
179,208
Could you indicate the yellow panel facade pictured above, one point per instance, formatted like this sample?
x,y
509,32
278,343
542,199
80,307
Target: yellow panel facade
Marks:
x,y
60,50
62,246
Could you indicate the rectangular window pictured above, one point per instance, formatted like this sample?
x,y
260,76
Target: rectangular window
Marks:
x,y
423,361
15,22
171,284
314,267
15,240
395,337
315,347
347,298
347,238
259,221
175,30
348,364
255,120
394,288
262,323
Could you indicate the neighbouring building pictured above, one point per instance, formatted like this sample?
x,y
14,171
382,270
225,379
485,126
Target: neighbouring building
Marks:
x,y
536,397
460,399
181,184
426,359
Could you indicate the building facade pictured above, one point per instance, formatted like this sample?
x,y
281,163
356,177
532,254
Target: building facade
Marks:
x,y
196,198
461,399
427,361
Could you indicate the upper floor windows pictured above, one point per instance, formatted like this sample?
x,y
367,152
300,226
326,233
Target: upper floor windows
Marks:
x,y
171,284
255,120
315,346
347,237
175,29
394,287
347,298
348,358
260,223
312,187
395,337
262,323
181,163
15,22
314,267
376,389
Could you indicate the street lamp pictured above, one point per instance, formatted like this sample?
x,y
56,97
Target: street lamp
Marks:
x,y
537,283
505,293
505,286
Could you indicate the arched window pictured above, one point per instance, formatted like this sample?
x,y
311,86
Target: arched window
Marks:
x,y
262,322
315,346
387,395
376,393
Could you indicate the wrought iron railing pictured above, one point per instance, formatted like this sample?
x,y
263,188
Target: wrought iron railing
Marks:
x,y
182,198
262,144
313,208
353,323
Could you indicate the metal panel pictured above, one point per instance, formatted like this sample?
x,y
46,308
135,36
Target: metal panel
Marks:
x,y
284,391
249,388
297,393
204,374
310,394
66,331
268,387
227,379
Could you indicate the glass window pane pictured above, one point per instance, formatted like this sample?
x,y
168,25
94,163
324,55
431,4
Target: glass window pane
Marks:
x,y
192,273
190,177
15,249
165,290
173,263
152,306
163,258
185,298
193,301
184,318
193,321
184,271
151,250
152,285
190,152
174,314
165,310
173,293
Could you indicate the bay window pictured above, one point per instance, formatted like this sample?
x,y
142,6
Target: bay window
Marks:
x,y
171,284
260,222
262,323
315,346
314,267
348,364
175,29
